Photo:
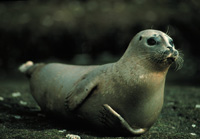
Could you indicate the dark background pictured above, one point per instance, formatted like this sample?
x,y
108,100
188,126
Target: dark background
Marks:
x,y
94,32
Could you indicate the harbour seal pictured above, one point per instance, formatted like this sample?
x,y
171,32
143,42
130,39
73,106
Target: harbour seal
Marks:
x,y
125,97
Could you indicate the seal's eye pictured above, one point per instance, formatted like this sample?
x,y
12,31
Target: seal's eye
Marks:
x,y
151,41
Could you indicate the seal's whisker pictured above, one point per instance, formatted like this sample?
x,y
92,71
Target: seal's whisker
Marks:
x,y
144,55
168,30
181,54
179,63
147,58
141,59
155,56
176,66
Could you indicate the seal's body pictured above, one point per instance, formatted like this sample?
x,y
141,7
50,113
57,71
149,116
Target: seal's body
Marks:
x,y
125,96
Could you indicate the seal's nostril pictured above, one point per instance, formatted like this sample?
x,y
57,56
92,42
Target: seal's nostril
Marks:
x,y
175,53
170,48
167,52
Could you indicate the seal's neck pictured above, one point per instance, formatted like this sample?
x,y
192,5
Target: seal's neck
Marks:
x,y
132,69
137,61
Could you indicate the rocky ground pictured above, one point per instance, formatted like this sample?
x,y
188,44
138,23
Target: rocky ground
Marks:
x,y
21,118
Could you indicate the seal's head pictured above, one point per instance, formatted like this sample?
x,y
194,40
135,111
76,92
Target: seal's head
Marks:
x,y
155,47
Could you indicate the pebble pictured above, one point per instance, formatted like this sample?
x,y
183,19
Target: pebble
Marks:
x,y
16,94
71,136
170,103
17,117
41,115
22,102
197,106
1,99
35,109
62,131
193,125
193,134
7,105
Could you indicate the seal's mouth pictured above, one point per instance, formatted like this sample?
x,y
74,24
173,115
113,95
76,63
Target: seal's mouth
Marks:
x,y
170,56
170,60
122,124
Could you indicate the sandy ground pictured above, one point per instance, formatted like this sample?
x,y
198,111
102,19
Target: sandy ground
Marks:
x,y
21,118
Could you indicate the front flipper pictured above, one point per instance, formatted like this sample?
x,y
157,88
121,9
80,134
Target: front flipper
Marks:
x,y
81,91
114,121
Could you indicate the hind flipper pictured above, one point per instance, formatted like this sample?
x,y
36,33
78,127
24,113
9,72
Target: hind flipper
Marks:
x,y
29,67
113,120
26,66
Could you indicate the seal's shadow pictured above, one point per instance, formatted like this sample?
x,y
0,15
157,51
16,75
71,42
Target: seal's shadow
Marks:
x,y
24,117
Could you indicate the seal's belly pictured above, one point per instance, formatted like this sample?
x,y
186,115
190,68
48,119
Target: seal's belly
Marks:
x,y
137,112
145,112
